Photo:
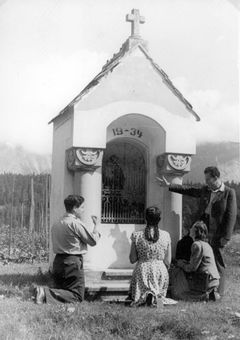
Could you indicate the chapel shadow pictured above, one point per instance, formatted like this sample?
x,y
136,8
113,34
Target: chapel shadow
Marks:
x,y
173,221
121,246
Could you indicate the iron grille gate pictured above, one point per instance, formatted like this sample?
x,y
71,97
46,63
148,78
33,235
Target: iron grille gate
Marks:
x,y
123,184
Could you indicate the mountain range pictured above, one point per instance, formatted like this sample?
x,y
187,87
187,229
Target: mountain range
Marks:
x,y
225,155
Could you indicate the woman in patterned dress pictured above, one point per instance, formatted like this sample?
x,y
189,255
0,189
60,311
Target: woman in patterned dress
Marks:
x,y
151,251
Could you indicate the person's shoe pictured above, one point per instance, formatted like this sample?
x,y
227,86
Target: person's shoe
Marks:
x,y
214,296
39,295
128,300
168,301
217,296
149,299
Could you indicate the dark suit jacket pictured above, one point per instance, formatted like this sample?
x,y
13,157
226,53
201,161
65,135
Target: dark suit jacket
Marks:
x,y
224,207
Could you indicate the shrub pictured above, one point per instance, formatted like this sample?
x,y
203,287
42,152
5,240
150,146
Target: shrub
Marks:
x,y
24,247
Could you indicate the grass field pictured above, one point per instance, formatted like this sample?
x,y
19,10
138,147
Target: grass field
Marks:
x,y
21,319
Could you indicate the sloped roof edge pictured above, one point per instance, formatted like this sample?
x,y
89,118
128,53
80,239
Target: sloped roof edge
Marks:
x,y
170,85
108,66
126,49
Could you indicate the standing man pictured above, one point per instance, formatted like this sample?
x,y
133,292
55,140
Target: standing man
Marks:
x,y
217,208
70,238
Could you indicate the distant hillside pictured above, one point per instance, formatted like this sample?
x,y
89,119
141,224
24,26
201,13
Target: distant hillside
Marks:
x,y
225,155
18,160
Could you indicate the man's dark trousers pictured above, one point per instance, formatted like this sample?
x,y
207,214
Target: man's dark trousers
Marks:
x,y
68,276
218,254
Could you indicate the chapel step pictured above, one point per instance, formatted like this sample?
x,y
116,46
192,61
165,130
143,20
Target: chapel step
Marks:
x,y
108,286
107,290
117,274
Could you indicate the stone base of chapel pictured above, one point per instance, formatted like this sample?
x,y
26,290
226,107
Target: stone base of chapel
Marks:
x,y
108,285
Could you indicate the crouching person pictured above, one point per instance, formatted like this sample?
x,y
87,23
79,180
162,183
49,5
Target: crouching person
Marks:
x,y
70,239
197,279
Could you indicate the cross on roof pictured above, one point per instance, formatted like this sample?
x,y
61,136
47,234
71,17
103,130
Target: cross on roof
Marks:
x,y
135,20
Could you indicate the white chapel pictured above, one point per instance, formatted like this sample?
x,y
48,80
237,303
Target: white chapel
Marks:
x,y
127,126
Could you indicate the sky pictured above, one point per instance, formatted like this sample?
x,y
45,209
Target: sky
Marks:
x,y
51,49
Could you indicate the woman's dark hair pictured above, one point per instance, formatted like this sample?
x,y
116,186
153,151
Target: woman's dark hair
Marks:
x,y
73,201
153,217
212,171
201,231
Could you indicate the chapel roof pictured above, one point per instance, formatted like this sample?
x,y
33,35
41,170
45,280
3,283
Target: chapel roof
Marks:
x,y
132,43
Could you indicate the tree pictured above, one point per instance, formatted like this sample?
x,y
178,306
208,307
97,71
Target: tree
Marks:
x,y
32,209
11,220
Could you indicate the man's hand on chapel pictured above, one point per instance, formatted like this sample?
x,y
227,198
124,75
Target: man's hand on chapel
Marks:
x,y
162,181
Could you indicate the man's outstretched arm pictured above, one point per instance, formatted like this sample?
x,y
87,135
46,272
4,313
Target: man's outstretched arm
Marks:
x,y
178,188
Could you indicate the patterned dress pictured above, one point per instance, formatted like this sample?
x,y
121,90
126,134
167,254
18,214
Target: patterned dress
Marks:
x,y
150,274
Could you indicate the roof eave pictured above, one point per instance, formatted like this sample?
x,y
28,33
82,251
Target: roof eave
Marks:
x,y
170,85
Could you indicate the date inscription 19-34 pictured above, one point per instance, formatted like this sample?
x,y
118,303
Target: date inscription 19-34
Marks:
x,y
131,131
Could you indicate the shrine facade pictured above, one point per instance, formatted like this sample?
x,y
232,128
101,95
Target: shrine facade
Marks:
x,y
129,125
